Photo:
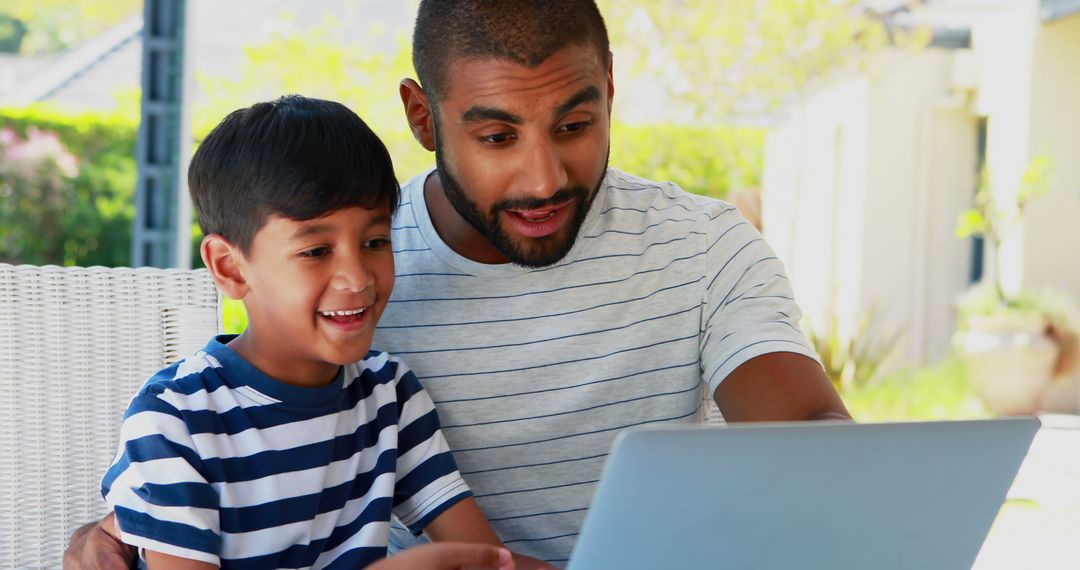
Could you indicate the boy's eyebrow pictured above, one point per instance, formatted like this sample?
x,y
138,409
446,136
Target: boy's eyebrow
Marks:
x,y
309,230
315,229
380,219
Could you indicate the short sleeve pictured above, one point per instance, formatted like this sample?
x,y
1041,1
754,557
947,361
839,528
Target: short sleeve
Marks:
x,y
748,307
428,481
156,488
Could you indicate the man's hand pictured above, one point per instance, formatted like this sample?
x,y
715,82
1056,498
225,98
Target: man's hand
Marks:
x,y
96,546
522,562
448,556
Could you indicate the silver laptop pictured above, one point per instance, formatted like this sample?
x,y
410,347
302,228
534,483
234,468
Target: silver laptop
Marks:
x,y
830,495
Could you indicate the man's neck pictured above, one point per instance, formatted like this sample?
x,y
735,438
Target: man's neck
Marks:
x,y
455,230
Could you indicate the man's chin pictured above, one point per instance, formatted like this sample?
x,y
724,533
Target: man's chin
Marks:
x,y
538,252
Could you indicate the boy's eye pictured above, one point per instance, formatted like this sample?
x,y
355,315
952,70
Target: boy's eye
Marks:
x,y
315,252
377,243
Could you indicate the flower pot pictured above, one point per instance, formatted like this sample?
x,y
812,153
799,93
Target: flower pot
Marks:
x,y
1010,363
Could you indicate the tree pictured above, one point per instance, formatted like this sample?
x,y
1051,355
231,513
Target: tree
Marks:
x,y
719,58
54,25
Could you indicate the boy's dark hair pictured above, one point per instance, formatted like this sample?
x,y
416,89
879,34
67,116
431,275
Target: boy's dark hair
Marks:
x,y
525,32
295,157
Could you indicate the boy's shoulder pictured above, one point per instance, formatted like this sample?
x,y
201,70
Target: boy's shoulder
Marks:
x,y
382,367
200,372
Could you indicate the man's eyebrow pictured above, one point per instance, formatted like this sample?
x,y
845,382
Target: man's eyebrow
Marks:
x,y
477,114
590,94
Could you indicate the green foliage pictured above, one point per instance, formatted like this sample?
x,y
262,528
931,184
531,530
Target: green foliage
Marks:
x,y
233,316
935,393
67,183
330,63
704,160
993,220
712,55
54,25
854,360
1057,313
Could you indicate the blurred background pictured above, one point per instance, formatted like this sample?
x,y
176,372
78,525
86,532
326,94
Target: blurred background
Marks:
x,y
915,164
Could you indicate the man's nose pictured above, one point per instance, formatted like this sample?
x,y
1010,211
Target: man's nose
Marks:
x,y
543,172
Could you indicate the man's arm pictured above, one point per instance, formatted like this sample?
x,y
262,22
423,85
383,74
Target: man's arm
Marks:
x,y
94,546
465,522
779,386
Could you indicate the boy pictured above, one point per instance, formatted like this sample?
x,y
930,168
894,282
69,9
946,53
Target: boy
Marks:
x,y
291,444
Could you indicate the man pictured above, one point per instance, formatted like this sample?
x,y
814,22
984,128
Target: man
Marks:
x,y
546,301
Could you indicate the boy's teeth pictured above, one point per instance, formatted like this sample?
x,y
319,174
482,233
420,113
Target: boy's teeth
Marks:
x,y
342,313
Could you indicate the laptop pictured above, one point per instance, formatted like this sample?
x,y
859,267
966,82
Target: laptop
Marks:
x,y
833,495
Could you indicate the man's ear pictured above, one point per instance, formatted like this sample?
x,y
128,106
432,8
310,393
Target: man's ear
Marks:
x,y
610,81
418,113
222,260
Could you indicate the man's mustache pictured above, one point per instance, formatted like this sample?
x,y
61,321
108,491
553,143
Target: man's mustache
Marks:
x,y
560,197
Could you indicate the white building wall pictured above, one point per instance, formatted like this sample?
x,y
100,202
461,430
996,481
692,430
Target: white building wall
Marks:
x,y
922,166
862,189
1051,239
1003,43
814,186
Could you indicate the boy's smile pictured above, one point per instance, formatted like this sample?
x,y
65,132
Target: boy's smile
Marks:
x,y
314,290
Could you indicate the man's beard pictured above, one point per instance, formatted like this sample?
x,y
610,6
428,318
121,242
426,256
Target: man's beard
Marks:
x,y
528,252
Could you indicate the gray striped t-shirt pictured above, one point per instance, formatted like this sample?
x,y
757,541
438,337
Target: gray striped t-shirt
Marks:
x,y
534,371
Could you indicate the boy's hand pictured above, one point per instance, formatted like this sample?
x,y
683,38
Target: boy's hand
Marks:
x,y
95,546
448,556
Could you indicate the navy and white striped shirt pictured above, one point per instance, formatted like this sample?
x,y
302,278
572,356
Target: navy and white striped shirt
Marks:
x,y
534,371
220,463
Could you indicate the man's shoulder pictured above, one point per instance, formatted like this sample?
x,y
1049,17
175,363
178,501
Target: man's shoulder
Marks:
x,y
662,207
625,188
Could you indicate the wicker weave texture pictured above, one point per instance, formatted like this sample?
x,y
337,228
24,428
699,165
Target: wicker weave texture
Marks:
x,y
75,345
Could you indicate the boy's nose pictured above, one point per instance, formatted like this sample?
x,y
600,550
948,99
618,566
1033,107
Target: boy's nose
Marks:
x,y
353,276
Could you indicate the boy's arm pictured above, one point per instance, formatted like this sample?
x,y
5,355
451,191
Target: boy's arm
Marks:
x,y
448,556
161,561
465,522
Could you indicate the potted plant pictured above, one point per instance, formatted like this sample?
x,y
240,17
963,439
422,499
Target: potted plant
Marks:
x,y
1015,344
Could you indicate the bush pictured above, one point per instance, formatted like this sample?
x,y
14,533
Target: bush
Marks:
x,y
938,392
67,186
711,161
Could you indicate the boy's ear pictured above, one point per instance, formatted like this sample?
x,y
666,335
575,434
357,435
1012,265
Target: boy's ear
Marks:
x,y
418,113
222,260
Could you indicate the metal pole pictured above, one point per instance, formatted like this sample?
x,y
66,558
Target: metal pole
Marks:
x,y
162,232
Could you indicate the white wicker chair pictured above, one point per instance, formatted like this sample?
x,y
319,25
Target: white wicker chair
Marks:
x,y
75,345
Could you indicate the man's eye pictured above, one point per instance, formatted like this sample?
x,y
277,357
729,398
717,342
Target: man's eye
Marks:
x,y
498,138
574,127
377,243
315,252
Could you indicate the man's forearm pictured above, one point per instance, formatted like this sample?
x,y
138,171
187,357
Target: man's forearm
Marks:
x,y
92,547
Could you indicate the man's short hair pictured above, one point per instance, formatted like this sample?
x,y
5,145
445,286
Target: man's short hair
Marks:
x,y
525,32
295,157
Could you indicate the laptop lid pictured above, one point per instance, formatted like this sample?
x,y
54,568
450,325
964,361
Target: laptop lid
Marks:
x,y
806,495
